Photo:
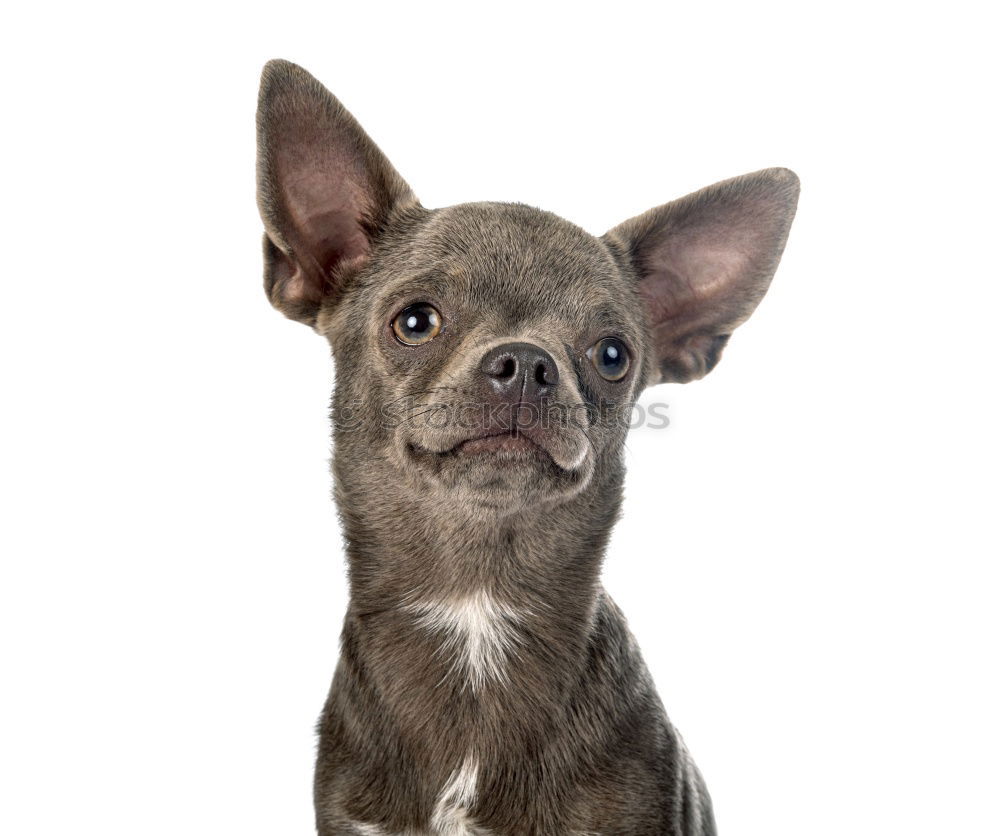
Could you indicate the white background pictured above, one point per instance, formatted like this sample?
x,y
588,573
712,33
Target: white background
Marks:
x,y
808,553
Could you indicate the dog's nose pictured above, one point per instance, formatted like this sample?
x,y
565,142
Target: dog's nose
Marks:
x,y
520,371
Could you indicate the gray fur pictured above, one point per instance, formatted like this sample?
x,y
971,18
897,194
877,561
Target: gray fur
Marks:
x,y
487,684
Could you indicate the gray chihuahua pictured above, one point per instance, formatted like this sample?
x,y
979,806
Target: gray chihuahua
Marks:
x,y
488,356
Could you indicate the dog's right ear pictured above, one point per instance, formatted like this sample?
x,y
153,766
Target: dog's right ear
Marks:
x,y
324,190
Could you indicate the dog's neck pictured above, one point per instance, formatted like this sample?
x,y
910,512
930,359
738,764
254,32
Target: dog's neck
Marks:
x,y
495,610
546,558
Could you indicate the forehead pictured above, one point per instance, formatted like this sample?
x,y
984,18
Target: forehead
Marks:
x,y
514,261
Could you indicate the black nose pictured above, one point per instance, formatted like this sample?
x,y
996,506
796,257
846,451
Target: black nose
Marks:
x,y
520,372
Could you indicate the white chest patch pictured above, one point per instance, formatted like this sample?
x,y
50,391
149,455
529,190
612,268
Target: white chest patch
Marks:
x,y
478,632
362,829
451,810
451,813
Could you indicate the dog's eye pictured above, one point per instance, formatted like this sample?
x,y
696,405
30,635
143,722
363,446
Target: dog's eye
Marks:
x,y
610,358
417,324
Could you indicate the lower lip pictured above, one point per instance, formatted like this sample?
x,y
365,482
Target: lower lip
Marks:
x,y
518,444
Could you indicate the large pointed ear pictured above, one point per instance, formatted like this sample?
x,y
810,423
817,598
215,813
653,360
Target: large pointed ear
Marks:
x,y
324,190
704,262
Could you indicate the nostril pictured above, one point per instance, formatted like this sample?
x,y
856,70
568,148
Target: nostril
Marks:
x,y
500,365
542,374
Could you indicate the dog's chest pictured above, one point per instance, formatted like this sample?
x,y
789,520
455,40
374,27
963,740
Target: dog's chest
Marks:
x,y
451,812
476,636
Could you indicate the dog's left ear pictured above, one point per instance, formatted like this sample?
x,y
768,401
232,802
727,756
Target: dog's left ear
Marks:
x,y
704,262
324,189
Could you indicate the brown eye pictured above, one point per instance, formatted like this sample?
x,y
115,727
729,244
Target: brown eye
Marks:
x,y
417,324
610,358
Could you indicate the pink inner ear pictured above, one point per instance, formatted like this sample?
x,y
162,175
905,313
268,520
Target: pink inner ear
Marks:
x,y
690,273
324,187
703,271
334,235
325,203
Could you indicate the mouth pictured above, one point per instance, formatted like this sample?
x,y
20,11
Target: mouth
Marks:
x,y
507,443
499,469
507,448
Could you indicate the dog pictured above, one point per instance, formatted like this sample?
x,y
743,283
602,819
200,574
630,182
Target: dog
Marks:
x,y
487,359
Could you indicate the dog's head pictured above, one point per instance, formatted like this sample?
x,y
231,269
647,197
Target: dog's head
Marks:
x,y
491,353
